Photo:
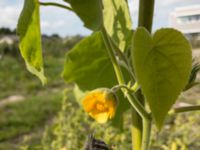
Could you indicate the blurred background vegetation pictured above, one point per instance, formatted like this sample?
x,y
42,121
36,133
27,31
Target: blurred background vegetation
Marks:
x,y
33,117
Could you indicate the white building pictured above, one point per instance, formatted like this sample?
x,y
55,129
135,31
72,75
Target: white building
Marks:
x,y
8,39
187,20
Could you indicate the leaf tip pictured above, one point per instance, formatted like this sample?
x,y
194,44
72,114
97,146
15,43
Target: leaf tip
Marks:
x,y
38,73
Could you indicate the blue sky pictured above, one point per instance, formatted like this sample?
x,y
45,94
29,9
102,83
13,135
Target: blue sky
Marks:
x,y
55,20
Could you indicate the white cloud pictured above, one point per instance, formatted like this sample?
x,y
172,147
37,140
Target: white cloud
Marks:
x,y
45,24
133,6
52,25
9,16
54,20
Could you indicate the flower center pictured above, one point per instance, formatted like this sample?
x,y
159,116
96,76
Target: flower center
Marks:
x,y
100,107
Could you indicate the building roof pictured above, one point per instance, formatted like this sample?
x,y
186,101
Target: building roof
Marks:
x,y
187,11
186,19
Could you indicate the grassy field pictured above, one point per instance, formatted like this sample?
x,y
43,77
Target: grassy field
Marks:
x,y
38,118
25,105
27,117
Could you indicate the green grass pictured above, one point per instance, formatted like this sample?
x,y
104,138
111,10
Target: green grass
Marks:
x,y
23,122
15,79
27,118
22,117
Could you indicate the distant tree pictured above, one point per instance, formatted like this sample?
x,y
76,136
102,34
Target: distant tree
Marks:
x,y
55,36
7,31
70,41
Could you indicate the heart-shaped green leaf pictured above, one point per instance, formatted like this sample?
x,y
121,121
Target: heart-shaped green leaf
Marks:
x,y
30,38
162,66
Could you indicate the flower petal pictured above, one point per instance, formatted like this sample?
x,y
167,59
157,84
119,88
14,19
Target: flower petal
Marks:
x,y
101,117
88,103
100,104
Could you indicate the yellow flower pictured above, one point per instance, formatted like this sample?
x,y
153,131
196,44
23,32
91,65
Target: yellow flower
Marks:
x,y
100,104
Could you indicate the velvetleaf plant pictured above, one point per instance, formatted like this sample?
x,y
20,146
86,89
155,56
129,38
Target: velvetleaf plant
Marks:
x,y
117,68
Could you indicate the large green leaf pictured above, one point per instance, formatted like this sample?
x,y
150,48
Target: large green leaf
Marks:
x,y
89,11
30,40
117,21
89,66
162,65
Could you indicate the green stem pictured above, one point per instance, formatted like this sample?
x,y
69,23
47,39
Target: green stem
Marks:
x,y
135,87
124,59
111,53
119,52
56,5
136,131
131,98
146,9
134,101
146,134
137,125
184,109
137,107
132,89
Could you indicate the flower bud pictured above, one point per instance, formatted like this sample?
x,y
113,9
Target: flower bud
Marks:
x,y
100,104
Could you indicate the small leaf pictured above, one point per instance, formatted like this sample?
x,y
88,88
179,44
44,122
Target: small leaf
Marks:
x,y
162,66
28,29
193,75
117,22
194,72
89,11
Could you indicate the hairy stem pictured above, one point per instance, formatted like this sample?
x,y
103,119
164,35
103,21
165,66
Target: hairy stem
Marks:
x,y
56,5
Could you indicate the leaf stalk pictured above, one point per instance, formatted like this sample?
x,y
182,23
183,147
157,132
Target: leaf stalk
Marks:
x,y
145,19
184,109
56,5
131,98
